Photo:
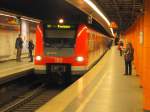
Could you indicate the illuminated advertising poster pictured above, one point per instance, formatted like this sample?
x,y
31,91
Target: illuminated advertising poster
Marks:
x,y
9,23
141,38
25,35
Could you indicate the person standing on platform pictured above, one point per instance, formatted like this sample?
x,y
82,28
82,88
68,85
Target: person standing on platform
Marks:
x,y
18,46
120,47
30,47
128,57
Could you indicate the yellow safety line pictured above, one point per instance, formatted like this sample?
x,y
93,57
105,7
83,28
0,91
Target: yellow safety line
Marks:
x,y
91,94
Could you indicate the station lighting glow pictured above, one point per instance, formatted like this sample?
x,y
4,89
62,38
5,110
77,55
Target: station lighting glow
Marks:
x,y
7,15
31,20
111,29
91,4
15,16
61,21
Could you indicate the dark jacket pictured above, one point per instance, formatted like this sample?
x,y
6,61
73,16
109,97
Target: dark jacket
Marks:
x,y
18,43
30,45
129,54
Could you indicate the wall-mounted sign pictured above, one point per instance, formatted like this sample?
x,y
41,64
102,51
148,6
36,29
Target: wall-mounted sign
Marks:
x,y
50,26
9,23
141,38
90,19
113,25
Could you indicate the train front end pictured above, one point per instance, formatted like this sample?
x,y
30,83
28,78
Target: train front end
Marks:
x,y
55,50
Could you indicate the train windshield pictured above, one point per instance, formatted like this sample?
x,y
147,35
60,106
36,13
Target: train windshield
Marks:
x,y
57,38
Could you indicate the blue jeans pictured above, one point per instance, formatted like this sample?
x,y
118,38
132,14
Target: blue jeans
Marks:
x,y
128,67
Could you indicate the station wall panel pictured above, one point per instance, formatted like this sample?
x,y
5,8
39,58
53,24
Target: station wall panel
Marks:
x,y
8,34
140,33
7,45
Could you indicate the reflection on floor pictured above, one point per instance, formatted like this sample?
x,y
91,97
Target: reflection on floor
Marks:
x,y
103,89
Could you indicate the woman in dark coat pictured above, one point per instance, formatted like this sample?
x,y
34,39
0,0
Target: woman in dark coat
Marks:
x,y
128,57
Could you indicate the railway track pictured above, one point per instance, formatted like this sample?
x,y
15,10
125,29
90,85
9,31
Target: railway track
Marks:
x,y
32,100
28,93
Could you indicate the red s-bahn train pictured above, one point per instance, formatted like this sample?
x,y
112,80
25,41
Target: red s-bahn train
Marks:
x,y
62,49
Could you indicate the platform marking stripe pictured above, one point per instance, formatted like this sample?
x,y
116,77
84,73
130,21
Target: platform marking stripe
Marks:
x,y
80,109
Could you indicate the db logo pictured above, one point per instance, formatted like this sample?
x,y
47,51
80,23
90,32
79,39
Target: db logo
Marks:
x,y
58,60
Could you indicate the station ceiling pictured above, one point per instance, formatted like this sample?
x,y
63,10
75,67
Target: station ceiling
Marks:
x,y
123,12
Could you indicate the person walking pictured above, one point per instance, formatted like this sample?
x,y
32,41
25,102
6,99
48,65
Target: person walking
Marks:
x,y
30,47
18,46
128,57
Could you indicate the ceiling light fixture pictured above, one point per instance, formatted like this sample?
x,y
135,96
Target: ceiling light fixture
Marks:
x,y
111,29
7,15
31,20
94,7
61,21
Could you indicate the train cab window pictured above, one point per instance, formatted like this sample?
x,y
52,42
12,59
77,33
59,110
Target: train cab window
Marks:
x,y
59,38
60,33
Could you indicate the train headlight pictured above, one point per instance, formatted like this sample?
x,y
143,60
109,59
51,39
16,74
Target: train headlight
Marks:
x,y
80,58
38,58
61,21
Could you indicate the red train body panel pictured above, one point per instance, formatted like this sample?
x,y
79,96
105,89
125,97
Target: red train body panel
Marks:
x,y
88,46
